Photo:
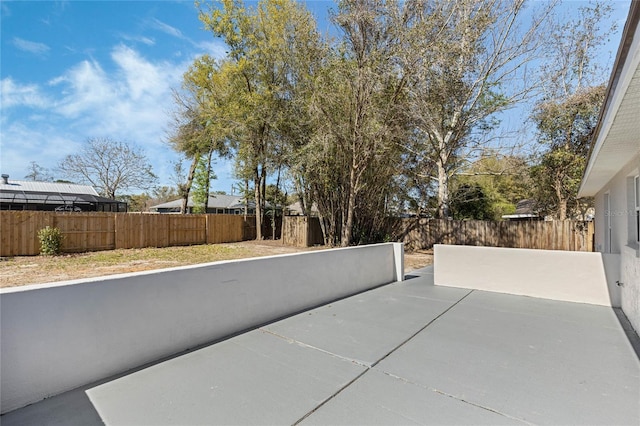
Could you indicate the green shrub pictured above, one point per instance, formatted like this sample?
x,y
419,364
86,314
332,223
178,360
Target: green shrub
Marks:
x,y
50,241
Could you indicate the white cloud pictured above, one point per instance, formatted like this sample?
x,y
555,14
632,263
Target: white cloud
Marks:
x,y
24,142
6,12
129,103
127,99
166,28
139,39
31,46
86,87
215,48
142,77
15,94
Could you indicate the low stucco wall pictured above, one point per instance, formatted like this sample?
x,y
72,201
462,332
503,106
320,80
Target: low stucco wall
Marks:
x,y
560,275
630,277
56,337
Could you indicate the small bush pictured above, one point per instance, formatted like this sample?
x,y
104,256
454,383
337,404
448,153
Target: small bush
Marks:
x,y
50,241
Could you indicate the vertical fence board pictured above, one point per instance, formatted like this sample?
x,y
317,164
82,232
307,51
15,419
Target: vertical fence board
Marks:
x,y
19,232
107,231
558,235
224,228
86,231
302,231
187,229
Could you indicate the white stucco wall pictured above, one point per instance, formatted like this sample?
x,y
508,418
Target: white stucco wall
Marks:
x,y
56,337
550,274
620,191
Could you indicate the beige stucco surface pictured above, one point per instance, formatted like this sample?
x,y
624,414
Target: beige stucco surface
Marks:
x,y
550,274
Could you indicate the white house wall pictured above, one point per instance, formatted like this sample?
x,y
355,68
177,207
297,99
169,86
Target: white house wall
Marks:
x,y
622,215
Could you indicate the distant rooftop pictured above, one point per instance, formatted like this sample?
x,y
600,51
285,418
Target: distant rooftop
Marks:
x,y
53,187
220,201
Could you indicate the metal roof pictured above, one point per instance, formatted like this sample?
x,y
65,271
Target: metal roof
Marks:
x,y
216,201
616,142
33,197
47,187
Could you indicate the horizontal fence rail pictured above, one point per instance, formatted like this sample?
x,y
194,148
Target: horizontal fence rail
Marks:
x,y
420,233
108,231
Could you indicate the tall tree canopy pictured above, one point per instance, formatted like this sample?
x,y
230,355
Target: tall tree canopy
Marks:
x,y
567,115
474,63
398,109
264,44
566,127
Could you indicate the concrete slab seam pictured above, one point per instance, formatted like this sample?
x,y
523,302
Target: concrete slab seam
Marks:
x,y
457,398
330,397
373,364
305,345
421,329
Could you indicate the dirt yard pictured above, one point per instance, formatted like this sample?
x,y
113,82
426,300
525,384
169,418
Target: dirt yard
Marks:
x,y
23,270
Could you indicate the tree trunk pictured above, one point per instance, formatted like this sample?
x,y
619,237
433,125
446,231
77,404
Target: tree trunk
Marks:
x,y
208,185
257,183
562,200
347,227
274,207
443,190
562,209
246,198
187,187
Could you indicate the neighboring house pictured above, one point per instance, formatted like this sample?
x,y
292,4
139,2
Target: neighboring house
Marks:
x,y
525,210
218,204
50,196
612,175
296,210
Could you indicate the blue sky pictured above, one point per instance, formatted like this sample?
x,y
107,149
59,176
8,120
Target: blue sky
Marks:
x,y
72,70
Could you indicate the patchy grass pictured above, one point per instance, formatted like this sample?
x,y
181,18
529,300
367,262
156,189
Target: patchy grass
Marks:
x,y
26,270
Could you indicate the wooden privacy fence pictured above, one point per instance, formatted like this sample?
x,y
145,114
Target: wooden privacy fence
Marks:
x,y
419,233
108,231
301,231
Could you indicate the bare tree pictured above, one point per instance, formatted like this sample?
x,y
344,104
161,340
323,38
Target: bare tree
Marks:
x,y
38,173
109,166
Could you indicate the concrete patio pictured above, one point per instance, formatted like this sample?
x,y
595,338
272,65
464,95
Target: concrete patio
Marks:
x,y
404,353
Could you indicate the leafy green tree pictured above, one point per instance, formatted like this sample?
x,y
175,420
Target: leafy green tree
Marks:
x,y
503,180
263,42
355,112
162,194
469,201
202,124
566,128
567,116
202,184
136,202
